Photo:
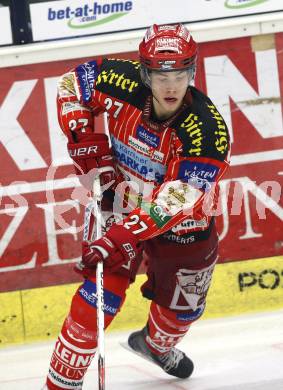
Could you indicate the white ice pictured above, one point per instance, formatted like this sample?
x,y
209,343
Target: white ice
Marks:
x,y
239,353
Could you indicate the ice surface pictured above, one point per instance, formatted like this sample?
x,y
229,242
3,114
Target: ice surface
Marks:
x,y
239,353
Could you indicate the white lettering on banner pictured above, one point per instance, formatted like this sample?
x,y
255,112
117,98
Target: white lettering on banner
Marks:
x,y
263,109
257,157
16,188
244,185
29,265
52,232
12,135
224,186
5,23
19,214
57,138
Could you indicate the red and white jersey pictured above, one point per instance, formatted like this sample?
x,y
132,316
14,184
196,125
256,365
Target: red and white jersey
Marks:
x,y
173,166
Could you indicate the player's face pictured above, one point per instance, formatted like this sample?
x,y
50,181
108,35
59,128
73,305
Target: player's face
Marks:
x,y
168,89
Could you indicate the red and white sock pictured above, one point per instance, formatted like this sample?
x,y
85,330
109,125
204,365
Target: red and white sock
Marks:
x,y
77,342
165,329
73,353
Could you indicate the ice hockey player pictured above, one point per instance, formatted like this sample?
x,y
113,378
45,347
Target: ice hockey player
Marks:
x,y
170,147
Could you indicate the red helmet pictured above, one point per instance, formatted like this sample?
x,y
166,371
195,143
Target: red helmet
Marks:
x,y
168,47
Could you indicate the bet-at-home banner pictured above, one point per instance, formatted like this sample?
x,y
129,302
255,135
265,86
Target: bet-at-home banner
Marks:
x,y
42,202
5,23
69,18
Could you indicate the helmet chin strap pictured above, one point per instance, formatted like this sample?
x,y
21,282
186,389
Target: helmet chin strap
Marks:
x,y
154,98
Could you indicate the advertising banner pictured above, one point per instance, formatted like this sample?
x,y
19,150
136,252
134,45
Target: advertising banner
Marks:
x,y
5,23
42,203
57,19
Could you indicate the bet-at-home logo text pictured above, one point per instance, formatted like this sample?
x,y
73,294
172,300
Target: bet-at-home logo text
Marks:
x,y
90,14
237,4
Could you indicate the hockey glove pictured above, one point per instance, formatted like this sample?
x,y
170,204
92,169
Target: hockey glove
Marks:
x,y
117,247
92,157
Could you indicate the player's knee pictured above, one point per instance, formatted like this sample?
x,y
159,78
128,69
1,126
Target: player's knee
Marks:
x,y
84,303
166,328
190,316
176,318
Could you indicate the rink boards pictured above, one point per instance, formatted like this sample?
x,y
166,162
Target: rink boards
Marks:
x,y
238,287
42,203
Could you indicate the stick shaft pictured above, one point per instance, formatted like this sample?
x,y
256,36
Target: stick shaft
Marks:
x,y
100,326
99,288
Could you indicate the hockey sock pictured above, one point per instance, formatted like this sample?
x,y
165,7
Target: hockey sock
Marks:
x,y
77,342
165,329
74,350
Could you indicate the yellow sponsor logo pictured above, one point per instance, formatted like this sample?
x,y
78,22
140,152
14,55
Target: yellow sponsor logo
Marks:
x,y
246,287
177,195
193,127
119,80
266,279
67,85
221,142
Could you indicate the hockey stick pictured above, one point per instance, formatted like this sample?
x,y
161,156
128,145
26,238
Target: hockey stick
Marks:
x,y
94,208
97,194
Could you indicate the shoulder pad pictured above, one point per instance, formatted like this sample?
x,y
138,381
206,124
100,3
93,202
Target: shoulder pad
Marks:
x,y
121,79
86,75
202,130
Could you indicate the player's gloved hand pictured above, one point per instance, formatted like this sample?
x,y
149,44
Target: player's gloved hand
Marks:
x,y
92,156
117,247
